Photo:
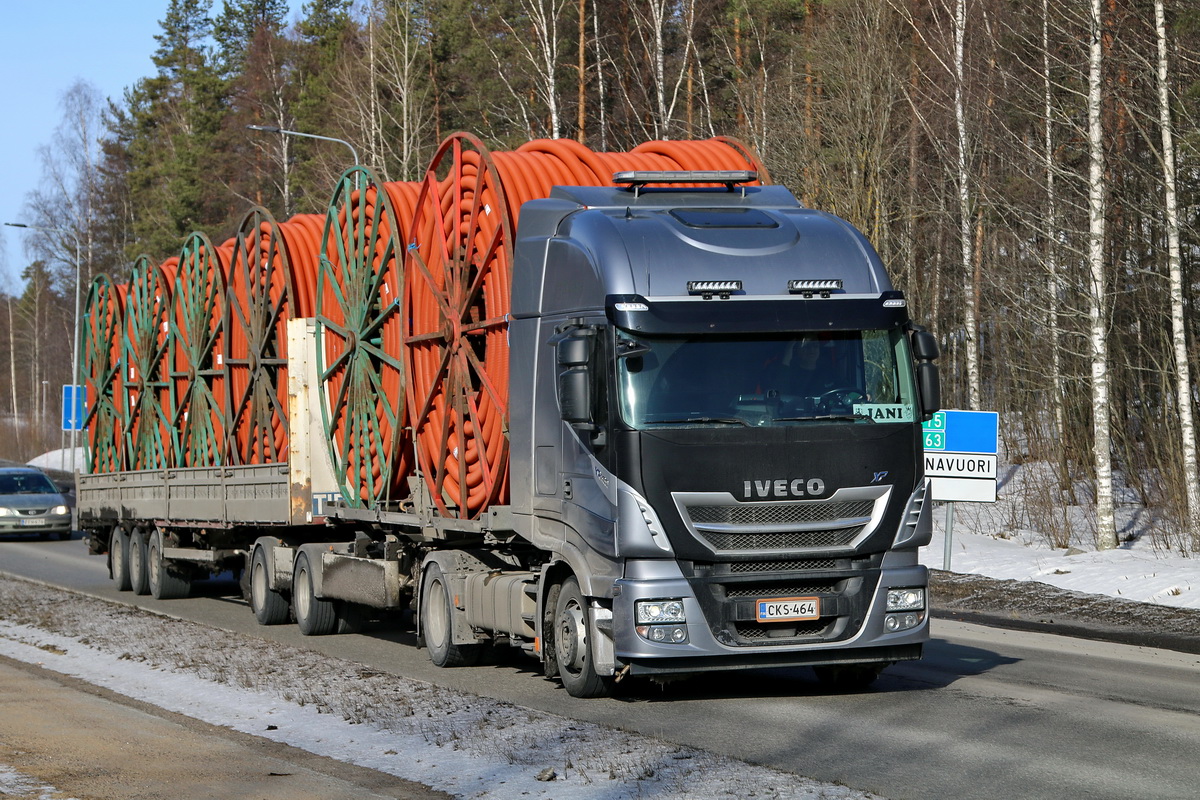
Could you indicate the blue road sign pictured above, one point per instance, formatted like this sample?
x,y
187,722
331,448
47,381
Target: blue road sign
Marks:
x,y
74,407
960,455
963,431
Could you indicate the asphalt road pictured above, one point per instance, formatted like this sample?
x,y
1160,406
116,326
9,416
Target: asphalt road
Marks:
x,y
989,712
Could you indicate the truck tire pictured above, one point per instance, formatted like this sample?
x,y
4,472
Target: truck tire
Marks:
x,y
139,578
270,607
118,557
164,584
437,624
573,645
314,615
848,677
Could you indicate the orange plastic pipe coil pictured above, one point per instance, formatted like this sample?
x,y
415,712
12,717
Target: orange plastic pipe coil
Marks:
x,y
100,368
146,422
457,287
359,287
197,342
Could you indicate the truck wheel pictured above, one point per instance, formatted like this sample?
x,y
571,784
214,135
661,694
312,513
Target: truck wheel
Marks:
x,y
437,624
139,580
270,607
118,556
164,584
314,616
572,645
848,677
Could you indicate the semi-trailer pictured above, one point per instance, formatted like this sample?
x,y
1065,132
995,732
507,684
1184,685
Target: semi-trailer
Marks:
x,y
667,423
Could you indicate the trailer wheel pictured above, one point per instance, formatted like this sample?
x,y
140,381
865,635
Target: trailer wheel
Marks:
x,y
437,624
139,579
118,555
164,584
848,677
270,607
314,615
573,645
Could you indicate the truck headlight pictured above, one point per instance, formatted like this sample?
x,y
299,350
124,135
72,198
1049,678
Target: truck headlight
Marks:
x,y
912,599
661,621
653,612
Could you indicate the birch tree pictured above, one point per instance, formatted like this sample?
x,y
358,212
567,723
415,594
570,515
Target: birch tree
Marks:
x,y
1183,380
1106,529
965,204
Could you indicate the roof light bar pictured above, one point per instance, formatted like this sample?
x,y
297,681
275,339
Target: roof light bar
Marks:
x,y
707,289
636,179
811,286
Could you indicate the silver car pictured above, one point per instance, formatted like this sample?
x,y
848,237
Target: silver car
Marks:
x,y
30,504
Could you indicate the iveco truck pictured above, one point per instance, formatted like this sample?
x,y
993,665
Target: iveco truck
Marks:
x,y
715,460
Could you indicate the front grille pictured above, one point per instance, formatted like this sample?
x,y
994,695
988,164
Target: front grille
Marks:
x,y
801,540
782,632
757,590
793,565
754,514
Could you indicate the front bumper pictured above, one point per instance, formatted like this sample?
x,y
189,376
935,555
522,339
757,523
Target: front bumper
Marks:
x,y
36,526
720,636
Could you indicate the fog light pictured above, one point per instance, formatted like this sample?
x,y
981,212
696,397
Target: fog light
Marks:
x,y
647,612
912,599
663,634
894,623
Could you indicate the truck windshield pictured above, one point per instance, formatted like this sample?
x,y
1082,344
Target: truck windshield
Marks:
x,y
766,380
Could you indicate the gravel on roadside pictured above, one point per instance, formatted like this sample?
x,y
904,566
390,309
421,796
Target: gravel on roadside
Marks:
x,y
1029,605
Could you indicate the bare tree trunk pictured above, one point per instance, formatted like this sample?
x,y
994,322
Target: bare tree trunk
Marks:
x,y
581,115
600,98
1053,279
1183,380
1106,529
970,311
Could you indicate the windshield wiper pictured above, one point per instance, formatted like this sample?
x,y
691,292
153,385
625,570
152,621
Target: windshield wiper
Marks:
x,y
821,417
685,420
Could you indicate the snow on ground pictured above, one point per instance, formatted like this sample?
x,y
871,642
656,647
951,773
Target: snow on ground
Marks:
x,y
1003,540
60,460
479,748
463,744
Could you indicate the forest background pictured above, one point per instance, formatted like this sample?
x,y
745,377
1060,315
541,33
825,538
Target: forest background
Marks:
x,y
1029,170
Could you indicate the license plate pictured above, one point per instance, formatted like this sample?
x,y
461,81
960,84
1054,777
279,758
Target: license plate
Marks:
x,y
30,523
787,609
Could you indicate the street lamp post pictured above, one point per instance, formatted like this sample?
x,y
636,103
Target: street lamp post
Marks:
x,y
75,334
285,132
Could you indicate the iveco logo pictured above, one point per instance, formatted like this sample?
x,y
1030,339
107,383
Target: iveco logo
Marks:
x,y
783,487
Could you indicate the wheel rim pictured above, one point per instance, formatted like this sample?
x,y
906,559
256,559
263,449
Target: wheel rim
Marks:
x,y
572,638
154,563
197,352
437,615
118,555
258,584
303,597
358,344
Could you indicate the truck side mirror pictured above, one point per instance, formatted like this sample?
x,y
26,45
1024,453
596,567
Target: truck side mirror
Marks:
x,y
575,376
925,350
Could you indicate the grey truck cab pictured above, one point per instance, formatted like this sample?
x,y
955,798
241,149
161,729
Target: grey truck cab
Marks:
x,y
717,398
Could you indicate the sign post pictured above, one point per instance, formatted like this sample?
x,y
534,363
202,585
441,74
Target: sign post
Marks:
x,y
960,461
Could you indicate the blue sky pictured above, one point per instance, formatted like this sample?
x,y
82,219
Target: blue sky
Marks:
x,y
45,46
